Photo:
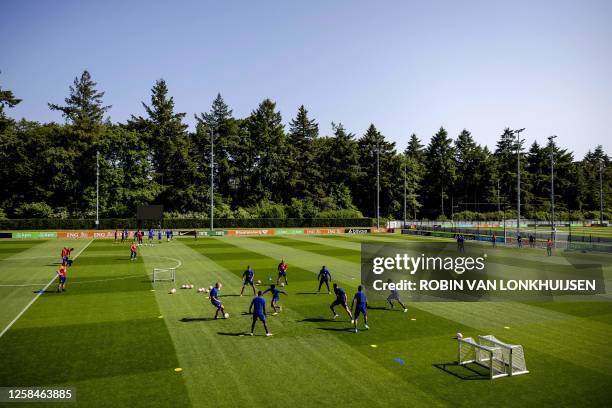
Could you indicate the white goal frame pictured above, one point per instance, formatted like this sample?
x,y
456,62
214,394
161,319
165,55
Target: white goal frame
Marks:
x,y
488,357
513,354
167,274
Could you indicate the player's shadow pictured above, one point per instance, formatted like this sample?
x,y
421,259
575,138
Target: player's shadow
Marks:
x,y
231,295
377,308
318,320
198,319
306,293
45,291
337,329
237,334
464,372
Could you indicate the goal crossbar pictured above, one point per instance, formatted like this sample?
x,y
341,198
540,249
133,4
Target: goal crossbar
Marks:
x,y
514,356
164,274
488,357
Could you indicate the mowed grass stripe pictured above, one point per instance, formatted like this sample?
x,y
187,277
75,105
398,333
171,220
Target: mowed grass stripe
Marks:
x,y
302,362
494,317
95,336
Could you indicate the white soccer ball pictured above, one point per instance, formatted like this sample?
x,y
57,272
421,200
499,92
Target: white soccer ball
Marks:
x,y
199,290
206,290
227,315
282,285
172,291
190,286
210,288
183,286
459,335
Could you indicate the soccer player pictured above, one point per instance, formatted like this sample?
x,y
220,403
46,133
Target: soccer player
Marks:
x,y
324,277
214,299
248,276
66,259
276,292
340,301
360,308
282,271
115,235
61,274
394,295
519,240
151,236
494,240
549,246
133,251
140,234
63,254
258,308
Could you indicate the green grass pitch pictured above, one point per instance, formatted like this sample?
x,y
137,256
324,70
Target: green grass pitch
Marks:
x,y
117,338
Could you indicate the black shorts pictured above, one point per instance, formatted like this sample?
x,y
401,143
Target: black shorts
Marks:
x,y
339,302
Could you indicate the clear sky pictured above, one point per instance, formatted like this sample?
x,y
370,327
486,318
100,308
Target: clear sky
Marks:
x,y
406,66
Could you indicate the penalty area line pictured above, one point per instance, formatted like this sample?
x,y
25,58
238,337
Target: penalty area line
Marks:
x,y
38,295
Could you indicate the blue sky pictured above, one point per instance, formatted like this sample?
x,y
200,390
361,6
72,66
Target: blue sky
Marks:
x,y
406,66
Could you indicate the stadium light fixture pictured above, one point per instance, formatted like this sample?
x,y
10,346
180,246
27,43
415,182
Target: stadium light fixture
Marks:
x,y
551,143
518,179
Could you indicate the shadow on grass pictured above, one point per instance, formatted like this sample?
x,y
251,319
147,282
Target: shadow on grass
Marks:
x,y
237,334
198,319
237,295
318,320
463,372
378,308
337,329
46,291
306,293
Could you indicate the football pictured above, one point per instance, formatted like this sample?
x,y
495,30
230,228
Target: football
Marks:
x,y
173,290
227,315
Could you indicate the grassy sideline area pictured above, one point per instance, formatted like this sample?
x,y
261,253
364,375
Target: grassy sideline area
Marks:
x,y
118,338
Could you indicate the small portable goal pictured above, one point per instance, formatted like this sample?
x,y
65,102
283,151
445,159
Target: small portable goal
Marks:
x,y
164,274
512,354
488,357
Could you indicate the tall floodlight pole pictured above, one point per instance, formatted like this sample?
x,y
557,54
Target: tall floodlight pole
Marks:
x,y
552,184
97,189
404,226
498,207
377,183
601,219
212,182
518,180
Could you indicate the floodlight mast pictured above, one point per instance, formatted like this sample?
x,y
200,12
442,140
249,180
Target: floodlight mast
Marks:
x,y
97,189
518,180
377,183
212,183
601,217
552,185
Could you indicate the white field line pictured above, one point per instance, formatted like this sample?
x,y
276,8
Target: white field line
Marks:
x,y
38,294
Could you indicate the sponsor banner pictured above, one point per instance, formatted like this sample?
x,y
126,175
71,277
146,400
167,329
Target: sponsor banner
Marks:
x,y
34,235
324,231
357,230
183,233
251,232
85,234
6,235
215,233
292,231
382,229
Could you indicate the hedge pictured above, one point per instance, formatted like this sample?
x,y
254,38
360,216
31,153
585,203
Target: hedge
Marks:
x,y
131,223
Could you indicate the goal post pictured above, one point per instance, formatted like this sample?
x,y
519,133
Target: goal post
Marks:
x,y
489,357
513,354
164,274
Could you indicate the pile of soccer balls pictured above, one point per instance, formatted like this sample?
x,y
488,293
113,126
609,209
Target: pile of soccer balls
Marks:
x,y
202,290
187,286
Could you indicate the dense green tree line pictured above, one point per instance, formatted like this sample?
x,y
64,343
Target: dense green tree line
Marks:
x,y
263,168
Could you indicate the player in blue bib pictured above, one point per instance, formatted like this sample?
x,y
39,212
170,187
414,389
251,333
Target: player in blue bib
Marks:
x,y
361,307
214,299
324,278
276,292
258,308
340,301
248,277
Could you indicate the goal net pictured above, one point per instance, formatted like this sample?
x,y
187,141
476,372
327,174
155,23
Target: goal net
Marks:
x,y
488,357
164,274
512,354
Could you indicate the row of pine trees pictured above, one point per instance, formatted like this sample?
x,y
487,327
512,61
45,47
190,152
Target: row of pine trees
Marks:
x,y
264,168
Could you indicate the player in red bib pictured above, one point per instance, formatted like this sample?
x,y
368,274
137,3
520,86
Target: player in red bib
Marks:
x,y
282,271
61,274
133,251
